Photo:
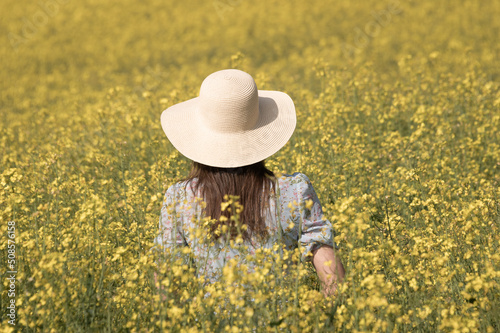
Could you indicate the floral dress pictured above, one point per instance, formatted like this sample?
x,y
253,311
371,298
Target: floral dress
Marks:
x,y
298,219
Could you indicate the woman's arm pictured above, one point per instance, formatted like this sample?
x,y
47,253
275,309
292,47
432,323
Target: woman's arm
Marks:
x,y
329,268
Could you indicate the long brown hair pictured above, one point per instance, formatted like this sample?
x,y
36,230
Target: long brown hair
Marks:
x,y
251,183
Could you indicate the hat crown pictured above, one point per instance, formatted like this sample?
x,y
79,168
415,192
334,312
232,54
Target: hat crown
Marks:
x,y
229,101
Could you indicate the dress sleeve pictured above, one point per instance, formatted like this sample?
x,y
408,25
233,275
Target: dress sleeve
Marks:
x,y
316,229
170,224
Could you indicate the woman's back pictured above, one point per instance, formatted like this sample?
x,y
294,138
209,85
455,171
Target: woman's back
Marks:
x,y
210,257
228,131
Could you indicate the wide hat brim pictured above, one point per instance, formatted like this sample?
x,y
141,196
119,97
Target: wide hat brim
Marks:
x,y
191,137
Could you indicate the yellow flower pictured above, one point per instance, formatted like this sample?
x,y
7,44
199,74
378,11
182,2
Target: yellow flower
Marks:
x,y
224,205
309,204
249,312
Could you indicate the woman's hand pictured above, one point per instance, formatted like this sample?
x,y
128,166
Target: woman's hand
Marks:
x,y
329,268
329,290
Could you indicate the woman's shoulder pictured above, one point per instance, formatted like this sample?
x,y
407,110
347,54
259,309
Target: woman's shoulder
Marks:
x,y
294,178
293,183
178,189
285,180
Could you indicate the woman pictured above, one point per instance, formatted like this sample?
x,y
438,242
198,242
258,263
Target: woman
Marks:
x,y
228,131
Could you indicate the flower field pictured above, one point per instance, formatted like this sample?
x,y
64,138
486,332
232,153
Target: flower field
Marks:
x,y
398,117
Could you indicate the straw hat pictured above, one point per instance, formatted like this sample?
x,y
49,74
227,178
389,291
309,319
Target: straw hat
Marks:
x,y
230,123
